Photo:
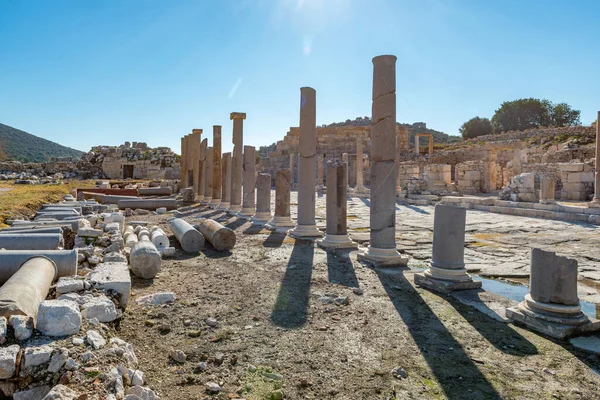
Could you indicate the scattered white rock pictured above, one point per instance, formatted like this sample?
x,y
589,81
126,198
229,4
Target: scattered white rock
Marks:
x,y
101,308
34,356
137,378
89,232
71,365
142,393
112,226
8,360
95,339
69,285
167,251
33,394
112,276
161,210
212,388
59,359
3,329
399,373
22,326
58,318
77,341
212,322
178,356
114,257
157,299
61,392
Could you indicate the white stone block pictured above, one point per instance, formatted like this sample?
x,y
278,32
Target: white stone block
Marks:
x,y
8,361
101,308
58,318
112,276
35,356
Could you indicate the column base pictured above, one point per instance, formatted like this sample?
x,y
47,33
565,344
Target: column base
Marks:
x,y
433,282
206,201
261,218
214,203
281,224
594,203
547,201
305,231
199,198
555,320
382,257
246,212
234,209
223,206
337,242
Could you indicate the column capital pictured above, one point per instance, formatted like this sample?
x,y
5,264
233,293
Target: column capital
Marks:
x,y
237,115
194,131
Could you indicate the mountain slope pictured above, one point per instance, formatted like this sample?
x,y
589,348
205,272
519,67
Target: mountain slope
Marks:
x,y
16,145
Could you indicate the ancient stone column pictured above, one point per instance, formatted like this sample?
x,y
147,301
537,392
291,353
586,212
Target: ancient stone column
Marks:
x,y
182,161
359,165
307,164
208,187
596,201
195,159
336,235
221,237
382,248
282,220
217,176
190,239
552,306
202,170
320,181
345,159
249,183
430,145
236,161
226,182
547,190
263,200
447,271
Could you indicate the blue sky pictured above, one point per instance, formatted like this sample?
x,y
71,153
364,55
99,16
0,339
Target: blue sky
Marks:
x,y
84,73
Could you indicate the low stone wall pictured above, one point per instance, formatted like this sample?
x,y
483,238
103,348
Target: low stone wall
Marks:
x,y
469,177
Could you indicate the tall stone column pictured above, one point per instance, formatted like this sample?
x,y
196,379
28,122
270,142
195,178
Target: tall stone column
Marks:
x,y
320,181
263,200
307,164
195,165
417,144
359,165
336,235
185,162
236,161
182,161
382,248
225,182
208,187
596,201
552,306
430,145
249,183
216,169
202,170
345,159
282,221
447,271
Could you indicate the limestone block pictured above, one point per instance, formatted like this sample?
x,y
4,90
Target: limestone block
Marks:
x,y
68,285
570,167
61,392
575,177
22,326
8,361
112,276
35,356
32,394
58,318
101,308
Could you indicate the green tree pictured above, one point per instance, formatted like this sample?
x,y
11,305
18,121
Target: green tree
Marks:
x,y
564,115
475,127
522,114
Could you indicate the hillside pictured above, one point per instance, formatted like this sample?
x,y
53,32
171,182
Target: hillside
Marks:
x,y
17,145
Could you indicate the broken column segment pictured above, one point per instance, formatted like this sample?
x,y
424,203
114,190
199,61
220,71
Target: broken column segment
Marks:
x,y
11,261
447,271
552,306
336,234
31,241
190,239
263,197
282,221
27,288
237,161
306,226
145,260
225,182
220,237
195,157
202,170
382,247
148,204
249,183
216,168
158,237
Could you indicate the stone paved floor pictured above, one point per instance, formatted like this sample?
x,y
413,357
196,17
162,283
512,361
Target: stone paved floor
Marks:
x,y
497,245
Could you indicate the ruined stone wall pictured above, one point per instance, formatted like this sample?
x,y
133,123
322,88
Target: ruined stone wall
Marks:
x,y
469,177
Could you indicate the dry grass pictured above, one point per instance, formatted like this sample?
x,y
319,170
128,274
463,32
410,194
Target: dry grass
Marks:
x,y
24,200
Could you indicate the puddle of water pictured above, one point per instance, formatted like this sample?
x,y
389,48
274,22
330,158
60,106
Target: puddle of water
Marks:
x,y
515,291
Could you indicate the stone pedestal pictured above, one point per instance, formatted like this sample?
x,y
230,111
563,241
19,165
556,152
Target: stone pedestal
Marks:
x,y
237,161
382,248
336,236
226,182
202,170
307,163
208,184
216,170
447,271
552,306
547,190
249,183
263,203
596,201
282,221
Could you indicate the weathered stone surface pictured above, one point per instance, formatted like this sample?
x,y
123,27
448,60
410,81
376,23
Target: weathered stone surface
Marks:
x,y
34,356
59,359
157,299
145,259
3,329
112,276
32,394
58,318
553,278
95,339
101,308
8,360
61,392
68,285
22,326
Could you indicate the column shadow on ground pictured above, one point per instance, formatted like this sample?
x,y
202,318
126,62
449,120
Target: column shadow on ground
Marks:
x,y
435,341
253,229
367,202
275,239
413,208
211,214
501,335
340,269
291,307
233,225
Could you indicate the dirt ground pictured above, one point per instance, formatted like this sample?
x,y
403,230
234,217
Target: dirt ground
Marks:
x,y
291,321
